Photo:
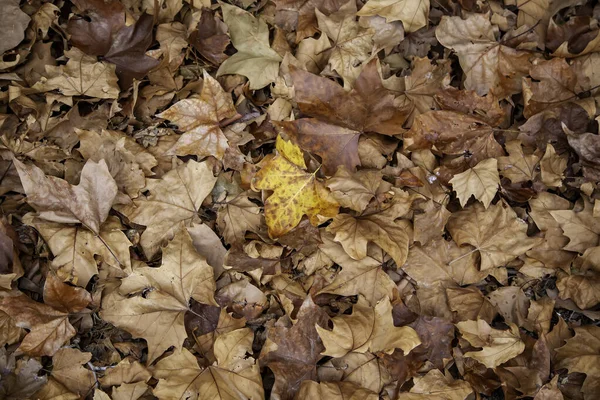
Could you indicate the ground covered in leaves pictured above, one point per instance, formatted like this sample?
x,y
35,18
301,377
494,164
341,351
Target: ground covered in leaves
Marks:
x,y
291,199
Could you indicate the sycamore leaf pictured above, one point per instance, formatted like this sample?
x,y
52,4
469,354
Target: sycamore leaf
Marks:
x,y
518,167
128,162
354,233
481,181
367,329
365,276
237,216
68,371
295,193
174,198
292,352
48,324
581,354
488,64
158,317
13,23
75,248
299,15
437,386
465,140
552,167
180,376
340,116
356,190
412,13
555,82
82,76
210,38
496,233
254,59
58,201
335,391
582,228
497,346
583,290
199,118
363,369
352,44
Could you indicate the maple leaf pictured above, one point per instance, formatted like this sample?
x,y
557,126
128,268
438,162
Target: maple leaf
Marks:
x,y
352,43
464,139
56,200
13,24
340,116
365,276
497,346
582,228
488,64
158,317
81,76
481,181
356,190
365,370
582,354
553,76
48,324
437,386
254,59
518,167
299,15
210,37
538,13
19,378
552,167
107,35
496,233
174,198
582,289
292,352
233,376
75,248
355,232
295,193
237,216
199,118
335,391
486,108
367,329
412,13
67,370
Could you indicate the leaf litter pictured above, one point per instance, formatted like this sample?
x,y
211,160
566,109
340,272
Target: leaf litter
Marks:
x,y
382,199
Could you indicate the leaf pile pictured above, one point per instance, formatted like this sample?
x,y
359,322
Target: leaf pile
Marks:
x,y
381,199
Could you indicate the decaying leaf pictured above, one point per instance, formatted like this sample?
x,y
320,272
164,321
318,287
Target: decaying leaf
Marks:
x,y
481,181
158,316
296,192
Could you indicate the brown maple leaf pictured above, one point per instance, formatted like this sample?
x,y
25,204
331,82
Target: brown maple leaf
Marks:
x,y
339,117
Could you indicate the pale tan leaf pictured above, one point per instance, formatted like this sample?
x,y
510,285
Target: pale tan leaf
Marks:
x,y
437,386
498,346
481,181
412,13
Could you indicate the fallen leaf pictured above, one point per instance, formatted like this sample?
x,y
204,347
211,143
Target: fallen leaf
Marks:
x,y
13,23
199,118
68,371
496,233
295,193
49,326
180,376
481,181
255,59
518,167
292,352
488,64
498,346
334,391
367,329
581,354
352,43
174,198
431,385
412,13
210,37
158,316
56,200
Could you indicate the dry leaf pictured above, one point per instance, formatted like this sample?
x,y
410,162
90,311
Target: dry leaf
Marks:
x,y
412,13
481,181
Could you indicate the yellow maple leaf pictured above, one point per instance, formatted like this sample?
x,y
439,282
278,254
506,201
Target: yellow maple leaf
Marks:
x,y
296,192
